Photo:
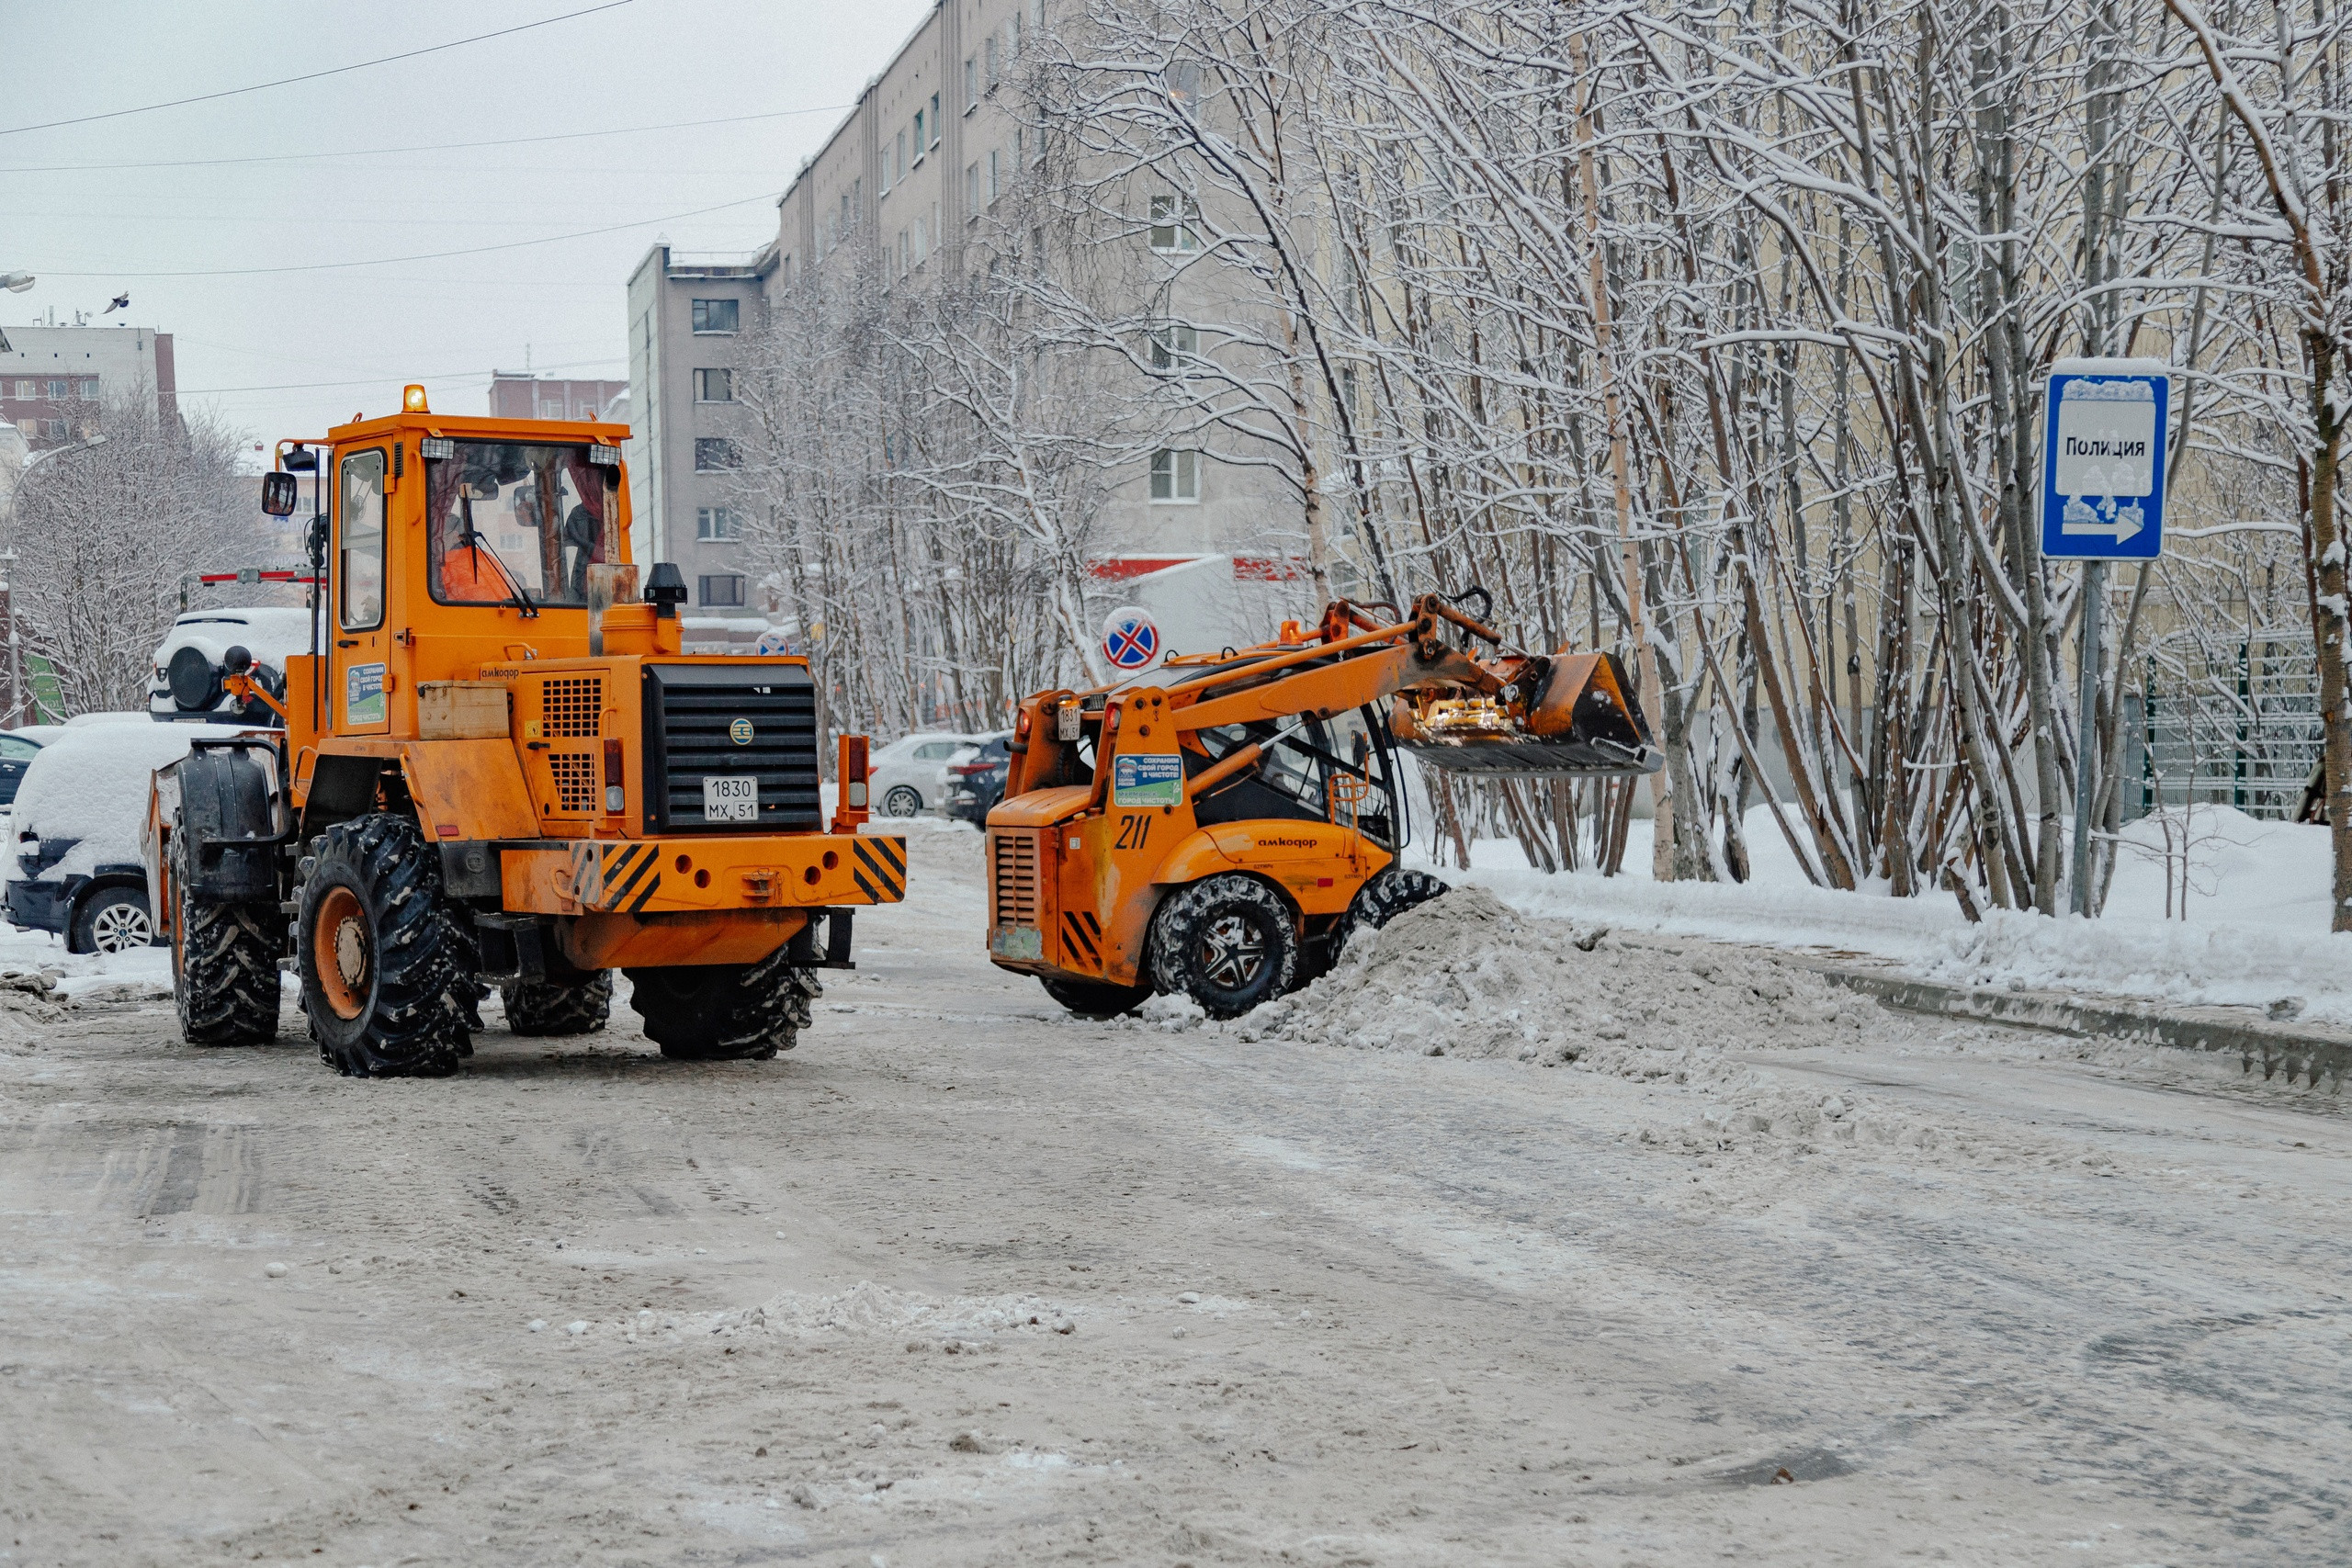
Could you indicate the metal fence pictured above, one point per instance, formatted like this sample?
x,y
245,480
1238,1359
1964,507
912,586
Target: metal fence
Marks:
x,y
2245,735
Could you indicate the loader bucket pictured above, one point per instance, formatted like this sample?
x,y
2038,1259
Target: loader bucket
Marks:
x,y
1566,716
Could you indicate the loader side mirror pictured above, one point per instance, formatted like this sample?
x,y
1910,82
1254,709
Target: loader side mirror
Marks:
x,y
238,660
280,494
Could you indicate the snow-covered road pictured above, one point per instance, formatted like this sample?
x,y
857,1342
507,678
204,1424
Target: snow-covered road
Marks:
x,y
2010,1299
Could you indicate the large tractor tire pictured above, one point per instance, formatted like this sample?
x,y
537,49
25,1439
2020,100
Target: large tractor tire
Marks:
x,y
224,965
725,1012
1230,942
556,1006
378,958
1388,894
1095,999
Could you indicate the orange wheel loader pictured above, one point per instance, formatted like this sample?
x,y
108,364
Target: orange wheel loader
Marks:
x,y
1219,827
499,768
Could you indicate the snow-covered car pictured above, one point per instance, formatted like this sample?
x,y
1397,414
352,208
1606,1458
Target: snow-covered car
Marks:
x,y
18,750
976,778
908,777
74,865
188,687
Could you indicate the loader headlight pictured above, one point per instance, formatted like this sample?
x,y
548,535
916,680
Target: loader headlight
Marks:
x,y
604,457
437,448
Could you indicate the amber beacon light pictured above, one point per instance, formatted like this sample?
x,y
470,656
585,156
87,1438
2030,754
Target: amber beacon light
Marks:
x,y
413,401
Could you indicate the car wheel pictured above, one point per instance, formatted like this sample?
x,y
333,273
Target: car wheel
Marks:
x,y
113,920
1230,942
904,800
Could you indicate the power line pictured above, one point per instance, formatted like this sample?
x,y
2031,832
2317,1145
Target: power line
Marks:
x,y
432,147
314,75
379,381
429,255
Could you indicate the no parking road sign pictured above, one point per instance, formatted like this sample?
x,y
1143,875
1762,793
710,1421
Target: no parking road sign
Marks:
x,y
1130,640
2103,459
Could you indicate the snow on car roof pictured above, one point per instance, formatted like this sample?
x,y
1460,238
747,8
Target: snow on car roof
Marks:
x,y
90,784
269,633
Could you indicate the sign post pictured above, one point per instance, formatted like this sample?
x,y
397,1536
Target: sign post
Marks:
x,y
2103,441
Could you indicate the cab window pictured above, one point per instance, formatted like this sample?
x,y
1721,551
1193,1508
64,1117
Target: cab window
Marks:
x,y
359,570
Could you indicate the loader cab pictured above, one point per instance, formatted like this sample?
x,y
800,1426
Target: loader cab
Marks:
x,y
1338,770
459,544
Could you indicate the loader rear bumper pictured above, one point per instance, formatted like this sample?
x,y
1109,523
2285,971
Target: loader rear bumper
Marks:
x,y
699,874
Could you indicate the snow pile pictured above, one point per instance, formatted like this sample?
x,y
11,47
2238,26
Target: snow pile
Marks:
x,y
1466,975
2256,901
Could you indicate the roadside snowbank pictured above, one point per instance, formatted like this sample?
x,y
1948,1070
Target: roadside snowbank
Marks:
x,y
2256,932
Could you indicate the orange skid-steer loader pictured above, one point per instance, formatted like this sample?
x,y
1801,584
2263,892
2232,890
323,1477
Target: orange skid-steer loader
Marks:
x,y
1218,828
500,768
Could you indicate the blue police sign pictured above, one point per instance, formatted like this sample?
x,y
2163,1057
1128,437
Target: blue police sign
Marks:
x,y
2103,459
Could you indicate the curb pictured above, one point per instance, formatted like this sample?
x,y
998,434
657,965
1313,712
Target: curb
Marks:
x,y
2301,1055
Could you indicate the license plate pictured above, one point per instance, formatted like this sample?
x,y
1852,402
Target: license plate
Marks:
x,y
729,797
1017,943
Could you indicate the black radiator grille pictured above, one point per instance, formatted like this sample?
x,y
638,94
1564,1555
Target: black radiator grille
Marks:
x,y
735,720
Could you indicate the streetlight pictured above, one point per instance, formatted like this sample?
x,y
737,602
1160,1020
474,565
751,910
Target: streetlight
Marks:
x,y
16,282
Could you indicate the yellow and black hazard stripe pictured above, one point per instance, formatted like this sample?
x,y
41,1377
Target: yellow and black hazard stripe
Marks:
x,y
881,870
625,877
1081,939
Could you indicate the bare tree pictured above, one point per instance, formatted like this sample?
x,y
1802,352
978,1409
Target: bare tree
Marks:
x,y
106,529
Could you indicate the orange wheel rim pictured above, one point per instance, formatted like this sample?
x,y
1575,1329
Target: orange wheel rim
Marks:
x,y
340,951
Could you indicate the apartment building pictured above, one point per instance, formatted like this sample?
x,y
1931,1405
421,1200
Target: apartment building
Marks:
x,y
518,394
900,190
51,377
685,314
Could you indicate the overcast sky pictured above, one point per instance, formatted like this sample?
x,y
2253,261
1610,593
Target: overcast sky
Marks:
x,y
243,342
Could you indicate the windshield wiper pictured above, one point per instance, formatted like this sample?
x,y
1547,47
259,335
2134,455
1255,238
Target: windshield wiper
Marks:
x,y
473,541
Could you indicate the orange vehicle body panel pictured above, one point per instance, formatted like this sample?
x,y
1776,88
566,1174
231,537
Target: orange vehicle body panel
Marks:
x,y
1078,869
536,797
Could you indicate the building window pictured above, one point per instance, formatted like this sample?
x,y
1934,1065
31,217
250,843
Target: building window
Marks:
x,y
923,239
989,49
919,142
899,156
717,525
716,315
722,592
996,176
1172,344
714,386
934,120
1172,224
971,84
54,429
1175,476
715,455
1013,36
972,193
60,390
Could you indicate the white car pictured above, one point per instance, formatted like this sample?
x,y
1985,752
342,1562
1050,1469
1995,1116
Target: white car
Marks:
x,y
74,865
186,688
908,777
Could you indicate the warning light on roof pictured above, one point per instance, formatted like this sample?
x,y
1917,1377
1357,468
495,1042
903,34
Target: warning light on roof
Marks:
x,y
412,399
